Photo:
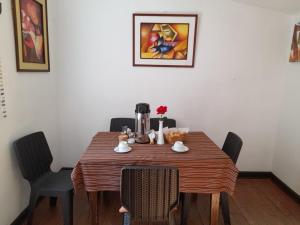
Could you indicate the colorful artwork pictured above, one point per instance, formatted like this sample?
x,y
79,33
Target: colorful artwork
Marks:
x,y
295,52
30,17
164,39
32,31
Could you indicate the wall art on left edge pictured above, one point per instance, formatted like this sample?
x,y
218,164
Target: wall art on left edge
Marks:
x,y
295,51
31,35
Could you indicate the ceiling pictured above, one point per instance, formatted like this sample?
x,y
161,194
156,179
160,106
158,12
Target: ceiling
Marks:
x,y
285,6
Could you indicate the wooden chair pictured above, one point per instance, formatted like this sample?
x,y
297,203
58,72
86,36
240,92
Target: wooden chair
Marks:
x,y
149,195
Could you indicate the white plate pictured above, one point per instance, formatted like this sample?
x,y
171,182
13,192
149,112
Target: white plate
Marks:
x,y
116,149
185,149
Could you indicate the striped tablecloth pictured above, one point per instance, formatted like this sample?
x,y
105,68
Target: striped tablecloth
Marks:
x,y
203,169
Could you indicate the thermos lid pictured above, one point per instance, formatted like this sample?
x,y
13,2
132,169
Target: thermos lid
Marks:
x,y
142,108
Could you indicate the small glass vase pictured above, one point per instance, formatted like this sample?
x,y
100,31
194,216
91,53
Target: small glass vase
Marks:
x,y
160,135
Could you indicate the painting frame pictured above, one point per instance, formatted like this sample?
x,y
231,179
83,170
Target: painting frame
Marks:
x,y
31,35
295,47
186,60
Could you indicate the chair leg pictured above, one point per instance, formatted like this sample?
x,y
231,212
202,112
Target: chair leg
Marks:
x,y
52,201
225,208
67,207
172,220
32,203
126,219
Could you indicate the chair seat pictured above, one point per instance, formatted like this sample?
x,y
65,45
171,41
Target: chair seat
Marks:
x,y
53,183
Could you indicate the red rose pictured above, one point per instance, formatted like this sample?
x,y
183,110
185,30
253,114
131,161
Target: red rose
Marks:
x,y
161,109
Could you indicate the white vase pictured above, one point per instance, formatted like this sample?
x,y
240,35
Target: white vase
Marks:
x,y
160,135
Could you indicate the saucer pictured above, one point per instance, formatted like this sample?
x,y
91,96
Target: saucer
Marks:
x,y
185,149
116,149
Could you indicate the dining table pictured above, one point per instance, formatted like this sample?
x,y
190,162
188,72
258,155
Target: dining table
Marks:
x,y
205,168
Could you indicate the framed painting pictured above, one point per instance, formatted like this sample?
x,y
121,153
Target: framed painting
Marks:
x,y
295,51
165,40
31,35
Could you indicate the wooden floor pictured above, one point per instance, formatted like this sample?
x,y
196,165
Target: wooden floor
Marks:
x,y
255,202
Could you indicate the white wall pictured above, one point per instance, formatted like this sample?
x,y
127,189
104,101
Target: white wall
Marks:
x,y
286,158
236,83
31,104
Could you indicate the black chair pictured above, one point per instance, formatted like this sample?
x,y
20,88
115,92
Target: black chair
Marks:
x,y
149,195
117,123
232,147
34,159
154,124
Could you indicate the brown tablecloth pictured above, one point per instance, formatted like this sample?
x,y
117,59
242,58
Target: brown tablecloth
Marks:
x,y
203,169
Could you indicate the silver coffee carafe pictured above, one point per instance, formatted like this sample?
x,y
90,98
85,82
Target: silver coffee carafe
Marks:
x,y
142,123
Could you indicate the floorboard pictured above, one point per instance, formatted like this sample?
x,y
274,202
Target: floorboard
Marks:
x,y
255,202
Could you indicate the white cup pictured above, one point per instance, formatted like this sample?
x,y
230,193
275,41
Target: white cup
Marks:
x,y
178,146
123,146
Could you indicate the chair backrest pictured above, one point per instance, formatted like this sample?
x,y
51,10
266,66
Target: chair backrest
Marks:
x,y
33,155
154,124
232,146
149,193
117,123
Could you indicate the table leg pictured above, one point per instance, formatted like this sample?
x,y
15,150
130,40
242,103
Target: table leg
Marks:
x,y
215,205
93,201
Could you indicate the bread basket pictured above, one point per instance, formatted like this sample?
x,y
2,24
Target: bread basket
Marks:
x,y
175,134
